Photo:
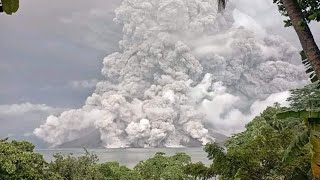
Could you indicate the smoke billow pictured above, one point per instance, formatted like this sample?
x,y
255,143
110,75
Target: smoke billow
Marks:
x,y
183,71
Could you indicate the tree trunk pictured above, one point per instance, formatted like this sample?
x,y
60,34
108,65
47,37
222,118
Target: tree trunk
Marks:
x,y
304,33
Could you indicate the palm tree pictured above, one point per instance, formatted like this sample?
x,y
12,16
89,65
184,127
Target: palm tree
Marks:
x,y
304,33
311,58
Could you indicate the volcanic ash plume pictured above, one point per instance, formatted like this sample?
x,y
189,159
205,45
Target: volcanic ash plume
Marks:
x,y
180,62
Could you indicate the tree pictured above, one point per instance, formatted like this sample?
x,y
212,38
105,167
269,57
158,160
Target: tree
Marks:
x,y
18,161
257,153
68,167
276,144
305,105
199,171
113,171
301,12
311,135
161,167
9,6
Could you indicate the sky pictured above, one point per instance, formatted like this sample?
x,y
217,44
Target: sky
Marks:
x,y
52,53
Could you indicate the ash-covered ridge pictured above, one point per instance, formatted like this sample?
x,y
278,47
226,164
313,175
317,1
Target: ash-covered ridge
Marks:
x,y
183,71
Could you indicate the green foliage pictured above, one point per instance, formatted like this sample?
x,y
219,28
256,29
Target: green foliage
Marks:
x,y
302,114
297,146
311,135
309,8
199,171
113,171
18,161
164,167
307,98
222,165
257,153
314,127
305,104
10,6
309,69
68,167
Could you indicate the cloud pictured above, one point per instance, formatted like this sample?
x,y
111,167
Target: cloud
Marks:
x,y
19,120
20,109
87,84
46,51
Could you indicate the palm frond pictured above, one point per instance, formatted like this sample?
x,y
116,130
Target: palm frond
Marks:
x,y
309,69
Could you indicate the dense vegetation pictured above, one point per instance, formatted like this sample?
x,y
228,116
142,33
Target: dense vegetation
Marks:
x,y
271,147
18,161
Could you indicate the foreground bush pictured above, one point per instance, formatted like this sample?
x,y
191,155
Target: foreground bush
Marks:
x,y
18,161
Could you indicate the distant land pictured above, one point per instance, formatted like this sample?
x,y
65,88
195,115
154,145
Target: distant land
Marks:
x,y
92,140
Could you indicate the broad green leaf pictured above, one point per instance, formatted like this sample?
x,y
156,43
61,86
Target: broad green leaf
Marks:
x,y
315,161
296,146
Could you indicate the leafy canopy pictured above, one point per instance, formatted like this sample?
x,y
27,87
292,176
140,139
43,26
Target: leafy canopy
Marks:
x,y
18,161
309,8
257,153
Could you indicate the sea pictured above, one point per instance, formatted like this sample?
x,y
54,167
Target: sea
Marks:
x,y
128,156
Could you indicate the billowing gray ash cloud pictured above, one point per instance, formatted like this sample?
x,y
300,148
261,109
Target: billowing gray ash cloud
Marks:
x,y
184,70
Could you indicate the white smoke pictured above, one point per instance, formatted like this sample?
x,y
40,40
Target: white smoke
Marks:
x,y
228,119
183,71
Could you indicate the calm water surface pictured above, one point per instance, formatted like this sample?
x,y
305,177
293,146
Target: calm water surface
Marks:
x,y
129,157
